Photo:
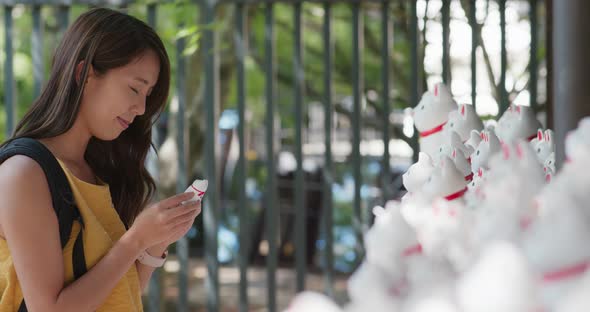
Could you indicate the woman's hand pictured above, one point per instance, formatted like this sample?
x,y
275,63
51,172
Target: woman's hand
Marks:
x,y
166,221
182,229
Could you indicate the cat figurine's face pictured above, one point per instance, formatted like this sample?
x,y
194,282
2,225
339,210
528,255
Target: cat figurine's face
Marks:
x,y
487,147
433,109
549,167
478,179
474,195
462,121
418,173
543,144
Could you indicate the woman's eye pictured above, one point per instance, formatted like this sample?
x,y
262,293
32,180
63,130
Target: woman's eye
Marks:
x,y
134,90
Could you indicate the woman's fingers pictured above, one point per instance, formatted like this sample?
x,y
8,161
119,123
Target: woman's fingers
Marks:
x,y
175,200
182,209
186,217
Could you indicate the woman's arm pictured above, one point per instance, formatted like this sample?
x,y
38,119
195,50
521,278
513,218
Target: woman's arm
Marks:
x,y
31,229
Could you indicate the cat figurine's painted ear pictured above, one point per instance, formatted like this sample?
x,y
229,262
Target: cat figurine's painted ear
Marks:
x,y
480,172
548,136
519,151
454,154
462,110
474,137
505,151
540,135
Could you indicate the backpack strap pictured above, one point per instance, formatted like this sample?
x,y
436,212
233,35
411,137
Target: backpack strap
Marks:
x,y
62,197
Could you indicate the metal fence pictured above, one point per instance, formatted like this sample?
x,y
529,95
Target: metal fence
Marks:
x,y
209,42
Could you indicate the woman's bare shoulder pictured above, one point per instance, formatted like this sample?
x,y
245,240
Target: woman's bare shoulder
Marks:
x,y
24,190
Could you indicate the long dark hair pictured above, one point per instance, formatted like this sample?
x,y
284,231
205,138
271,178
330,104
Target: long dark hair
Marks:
x,y
107,39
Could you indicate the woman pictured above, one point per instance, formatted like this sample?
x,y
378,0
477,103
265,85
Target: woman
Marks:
x,y
110,78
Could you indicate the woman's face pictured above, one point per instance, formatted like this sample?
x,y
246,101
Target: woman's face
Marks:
x,y
111,102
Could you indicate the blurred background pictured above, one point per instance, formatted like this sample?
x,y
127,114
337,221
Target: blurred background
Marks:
x,y
296,113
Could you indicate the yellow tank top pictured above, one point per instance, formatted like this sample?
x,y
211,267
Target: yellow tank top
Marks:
x,y
103,228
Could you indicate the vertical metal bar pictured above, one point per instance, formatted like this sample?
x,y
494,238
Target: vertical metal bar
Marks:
x,y
63,16
182,181
446,21
328,175
8,71
243,207
571,28
474,41
300,208
357,95
385,54
549,83
414,71
211,96
271,203
37,51
152,15
533,66
503,57
155,289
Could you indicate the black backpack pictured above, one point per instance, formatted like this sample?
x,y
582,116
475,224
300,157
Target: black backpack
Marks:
x,y
61,196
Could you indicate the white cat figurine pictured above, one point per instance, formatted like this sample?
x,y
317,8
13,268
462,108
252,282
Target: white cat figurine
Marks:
x,y
488,146
520,123
446,181
463,121
543,144
555,245
431,114
472,142
453,141
417,174
500,280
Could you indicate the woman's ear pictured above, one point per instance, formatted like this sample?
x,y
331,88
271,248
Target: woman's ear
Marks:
x,y
79,72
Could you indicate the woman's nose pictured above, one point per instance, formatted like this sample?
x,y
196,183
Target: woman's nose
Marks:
x,y
139,109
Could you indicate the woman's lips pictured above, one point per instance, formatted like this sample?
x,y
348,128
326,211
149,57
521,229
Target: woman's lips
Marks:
x,y
123,123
